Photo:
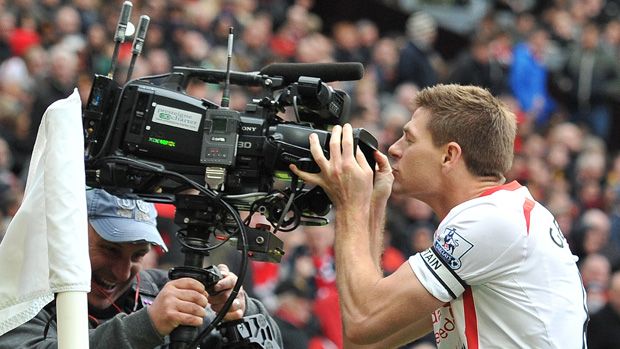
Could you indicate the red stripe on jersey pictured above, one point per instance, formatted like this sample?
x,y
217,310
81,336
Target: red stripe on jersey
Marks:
x,y
471,321
528,205
514,185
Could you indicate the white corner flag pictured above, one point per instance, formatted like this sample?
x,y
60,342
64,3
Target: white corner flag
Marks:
x,y
45,249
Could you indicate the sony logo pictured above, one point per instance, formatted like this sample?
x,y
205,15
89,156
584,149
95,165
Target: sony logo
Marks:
x,y
249,128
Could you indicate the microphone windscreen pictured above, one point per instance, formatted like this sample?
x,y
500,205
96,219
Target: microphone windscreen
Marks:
x,y
125,13
143,26
327,72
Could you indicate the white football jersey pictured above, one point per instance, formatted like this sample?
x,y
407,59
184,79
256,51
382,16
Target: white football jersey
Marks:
x,y
507,275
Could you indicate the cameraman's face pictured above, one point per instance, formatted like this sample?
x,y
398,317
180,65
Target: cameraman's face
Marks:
x,y
114,265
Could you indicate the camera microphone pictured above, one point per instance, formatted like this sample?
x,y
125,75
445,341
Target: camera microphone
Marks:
x,y
122,22
226,94
119,36
138,43
327,72
275,75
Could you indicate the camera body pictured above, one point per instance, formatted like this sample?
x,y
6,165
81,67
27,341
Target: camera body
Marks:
x,y
153,120
149,139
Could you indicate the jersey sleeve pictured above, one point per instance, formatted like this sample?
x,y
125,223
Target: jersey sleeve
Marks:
x,y
472,247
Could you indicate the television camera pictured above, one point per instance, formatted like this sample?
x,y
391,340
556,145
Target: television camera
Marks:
x,y
149,139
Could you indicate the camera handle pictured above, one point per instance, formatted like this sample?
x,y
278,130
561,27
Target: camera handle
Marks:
x,y
198,215
182,336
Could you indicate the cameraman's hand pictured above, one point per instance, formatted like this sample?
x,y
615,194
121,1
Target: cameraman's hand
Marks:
x,y
346,178
223,290
180,302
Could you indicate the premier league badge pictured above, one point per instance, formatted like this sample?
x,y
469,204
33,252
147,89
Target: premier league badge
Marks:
x,y
451,247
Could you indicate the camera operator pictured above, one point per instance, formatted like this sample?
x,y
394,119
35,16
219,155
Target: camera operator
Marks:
x,y
129,307
499,272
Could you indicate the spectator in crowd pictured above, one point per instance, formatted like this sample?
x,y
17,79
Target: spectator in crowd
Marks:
x,y
60,82
476,67
524,23
528,77
8,179
404,95
393,117
595,273
296,26
369,36
25,34
405,213
220,26
562,30
253,53
296,320
14,128
347,42
593,78
314,48
7,26
604,325
68,23
10,201
563,208
88,12
96,54
592,237
159,61
383,64
421,237
195,50
611,38
419,62
590,169
613,198
320,241
10,187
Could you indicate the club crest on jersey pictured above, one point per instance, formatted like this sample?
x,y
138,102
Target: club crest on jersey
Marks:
x,y
451,247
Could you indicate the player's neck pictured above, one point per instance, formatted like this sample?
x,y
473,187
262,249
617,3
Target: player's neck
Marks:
x,y
464,190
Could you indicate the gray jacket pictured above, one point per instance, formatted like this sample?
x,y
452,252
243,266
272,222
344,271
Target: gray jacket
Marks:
x,y
129,330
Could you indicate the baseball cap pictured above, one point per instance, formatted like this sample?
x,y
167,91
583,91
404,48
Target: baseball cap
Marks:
x,y
122,220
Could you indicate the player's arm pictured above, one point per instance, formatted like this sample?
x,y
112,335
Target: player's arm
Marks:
x,y
374,307
386,303
396,339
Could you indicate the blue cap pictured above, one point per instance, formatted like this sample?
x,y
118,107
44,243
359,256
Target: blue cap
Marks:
x,y
122,220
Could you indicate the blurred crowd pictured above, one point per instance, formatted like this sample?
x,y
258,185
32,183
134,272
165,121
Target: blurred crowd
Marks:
x,y
555,63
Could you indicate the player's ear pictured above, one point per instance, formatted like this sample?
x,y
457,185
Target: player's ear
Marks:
x,y
452,153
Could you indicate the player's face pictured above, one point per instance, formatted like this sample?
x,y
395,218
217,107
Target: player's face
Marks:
x,y
114,265
416,161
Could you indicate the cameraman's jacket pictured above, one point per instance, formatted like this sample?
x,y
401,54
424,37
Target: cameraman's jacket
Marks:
x,y
111,330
